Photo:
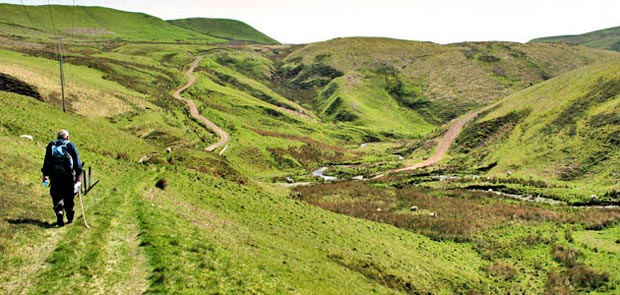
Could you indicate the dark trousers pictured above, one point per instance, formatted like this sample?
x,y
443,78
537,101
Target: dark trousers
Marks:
x,y
62,197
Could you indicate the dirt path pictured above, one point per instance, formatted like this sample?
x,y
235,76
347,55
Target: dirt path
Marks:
x,y
193,110
444,144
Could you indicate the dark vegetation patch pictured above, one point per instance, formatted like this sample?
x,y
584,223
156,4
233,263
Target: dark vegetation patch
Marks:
x,y
487,167
345,116
408,95
503,270
329,90
288,72
577,279
605,119
488,58
564,255
303,82
247,66
376,272
486,53
304,139
602,91
134,76
162,183
315,75
334,106
281,117
14,85
459,216
308,155
480,133
501,181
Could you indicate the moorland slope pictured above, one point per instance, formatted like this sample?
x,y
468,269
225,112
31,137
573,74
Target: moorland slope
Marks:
x,y
169,217
608,39
224,28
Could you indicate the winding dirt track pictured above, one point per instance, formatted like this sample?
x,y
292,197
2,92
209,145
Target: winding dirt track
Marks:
x,y
444,144
193,110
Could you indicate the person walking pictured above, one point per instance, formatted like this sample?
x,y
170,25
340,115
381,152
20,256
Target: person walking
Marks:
x,y
62,169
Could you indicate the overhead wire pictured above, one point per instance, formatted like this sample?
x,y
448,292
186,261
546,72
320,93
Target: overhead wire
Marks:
x,y
59,52
73,25
49,7
27,14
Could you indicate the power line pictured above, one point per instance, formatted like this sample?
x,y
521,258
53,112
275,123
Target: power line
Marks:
x,y
62,74
73,27
49,6
27,14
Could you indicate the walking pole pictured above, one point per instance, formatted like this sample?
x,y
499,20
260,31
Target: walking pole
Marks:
x,y
83,213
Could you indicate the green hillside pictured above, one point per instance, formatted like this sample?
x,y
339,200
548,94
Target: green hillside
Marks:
x,y
565,130
384,84
170,217
225,29
210,229
87,23
608,39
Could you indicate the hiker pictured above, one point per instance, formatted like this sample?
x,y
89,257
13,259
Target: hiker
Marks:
x,y
62,168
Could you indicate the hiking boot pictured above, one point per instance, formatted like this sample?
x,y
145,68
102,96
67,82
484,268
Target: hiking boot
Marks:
x,y
70,217
59,219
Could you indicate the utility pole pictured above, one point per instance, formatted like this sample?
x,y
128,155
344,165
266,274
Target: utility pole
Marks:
x,y
62,76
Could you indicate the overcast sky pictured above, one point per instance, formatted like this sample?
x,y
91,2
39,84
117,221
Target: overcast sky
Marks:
x,y
440,21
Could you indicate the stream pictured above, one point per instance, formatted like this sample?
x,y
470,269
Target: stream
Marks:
x,y
321,173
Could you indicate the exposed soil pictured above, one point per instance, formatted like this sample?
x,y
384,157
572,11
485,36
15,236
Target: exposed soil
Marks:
x,y
444,144
193,110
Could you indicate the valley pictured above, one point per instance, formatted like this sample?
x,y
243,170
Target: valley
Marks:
x,y
205,135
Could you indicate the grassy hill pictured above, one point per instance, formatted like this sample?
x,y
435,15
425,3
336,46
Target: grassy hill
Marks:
x,y
189,221
91,23
608,39
211,228
562,131
385,84
225,29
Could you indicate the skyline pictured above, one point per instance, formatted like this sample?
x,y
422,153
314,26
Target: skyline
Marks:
x,y
442,21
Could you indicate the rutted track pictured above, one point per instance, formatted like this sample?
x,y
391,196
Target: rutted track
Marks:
x,y
443,146
193,110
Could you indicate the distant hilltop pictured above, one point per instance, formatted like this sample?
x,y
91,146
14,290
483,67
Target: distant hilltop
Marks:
x,y
608,39
99,23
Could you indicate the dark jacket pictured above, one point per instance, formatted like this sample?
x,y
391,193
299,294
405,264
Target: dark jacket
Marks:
x,y
71,149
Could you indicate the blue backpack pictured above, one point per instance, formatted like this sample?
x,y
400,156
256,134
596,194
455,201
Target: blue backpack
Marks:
x,y
61,160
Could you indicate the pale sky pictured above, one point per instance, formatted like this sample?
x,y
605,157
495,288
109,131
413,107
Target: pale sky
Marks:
x,y
440,21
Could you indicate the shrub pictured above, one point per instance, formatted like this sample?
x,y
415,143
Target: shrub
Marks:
x,y
345,116
162,183
489,58
566,256
500,269
586,278
557,284
568,235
